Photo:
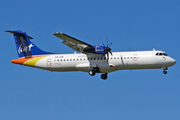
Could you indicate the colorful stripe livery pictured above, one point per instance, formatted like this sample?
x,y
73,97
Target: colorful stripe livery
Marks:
x,y
28,61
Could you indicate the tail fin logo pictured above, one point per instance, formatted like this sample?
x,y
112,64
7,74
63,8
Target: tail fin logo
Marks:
x,y
25,49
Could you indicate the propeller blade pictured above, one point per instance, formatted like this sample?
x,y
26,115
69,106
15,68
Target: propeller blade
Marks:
x,y
110,44
107,49
110,53
107,41
107,56
103,45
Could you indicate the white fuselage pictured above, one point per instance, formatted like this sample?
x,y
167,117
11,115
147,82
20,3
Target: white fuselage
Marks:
x,y
119,61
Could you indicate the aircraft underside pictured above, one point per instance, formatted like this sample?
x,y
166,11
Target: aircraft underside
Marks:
x,y
98,68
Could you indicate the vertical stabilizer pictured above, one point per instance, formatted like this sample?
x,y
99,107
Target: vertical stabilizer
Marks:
x,y
25,48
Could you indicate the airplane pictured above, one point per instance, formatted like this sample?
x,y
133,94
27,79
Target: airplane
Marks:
x,y
91,59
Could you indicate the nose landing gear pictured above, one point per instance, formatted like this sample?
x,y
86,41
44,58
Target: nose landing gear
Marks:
x,y
165,72
165,68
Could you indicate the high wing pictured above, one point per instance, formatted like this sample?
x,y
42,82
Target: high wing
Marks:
x,y
75,44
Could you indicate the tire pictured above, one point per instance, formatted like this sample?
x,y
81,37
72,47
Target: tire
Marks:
x,y
104,76
92,72
165,72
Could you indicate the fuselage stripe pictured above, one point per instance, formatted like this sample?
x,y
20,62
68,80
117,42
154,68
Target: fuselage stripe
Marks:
x,y
33,61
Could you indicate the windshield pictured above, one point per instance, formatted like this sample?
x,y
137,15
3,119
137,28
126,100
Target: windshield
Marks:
x,y
161,54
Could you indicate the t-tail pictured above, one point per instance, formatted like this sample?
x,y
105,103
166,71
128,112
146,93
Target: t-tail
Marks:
x,y
25,48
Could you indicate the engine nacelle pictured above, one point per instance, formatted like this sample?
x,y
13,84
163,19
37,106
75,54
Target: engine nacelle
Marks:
x,y
99,49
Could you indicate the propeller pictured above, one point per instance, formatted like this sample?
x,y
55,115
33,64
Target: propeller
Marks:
x,y
107,50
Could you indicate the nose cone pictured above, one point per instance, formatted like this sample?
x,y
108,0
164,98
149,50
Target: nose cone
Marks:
x,y
172,61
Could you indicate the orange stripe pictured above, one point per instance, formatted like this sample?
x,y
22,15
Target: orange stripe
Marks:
x,y
21,61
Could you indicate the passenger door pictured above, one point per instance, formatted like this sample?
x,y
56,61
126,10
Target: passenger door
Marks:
x,y
48,63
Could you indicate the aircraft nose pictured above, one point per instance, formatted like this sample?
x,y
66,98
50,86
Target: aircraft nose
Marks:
x,y
173,61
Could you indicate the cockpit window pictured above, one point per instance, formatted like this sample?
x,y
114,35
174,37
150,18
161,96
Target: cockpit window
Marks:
x,y
165,54
161,54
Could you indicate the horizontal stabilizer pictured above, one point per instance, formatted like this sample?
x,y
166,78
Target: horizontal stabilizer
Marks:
x,y
13,32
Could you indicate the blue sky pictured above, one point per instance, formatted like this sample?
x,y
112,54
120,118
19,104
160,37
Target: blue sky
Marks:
x,y
29,93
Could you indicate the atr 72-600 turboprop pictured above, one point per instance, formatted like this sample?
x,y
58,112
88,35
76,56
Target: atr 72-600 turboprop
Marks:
x,y
92,59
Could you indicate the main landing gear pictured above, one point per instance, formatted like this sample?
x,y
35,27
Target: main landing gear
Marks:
x,y
164,70
103,76
92,72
